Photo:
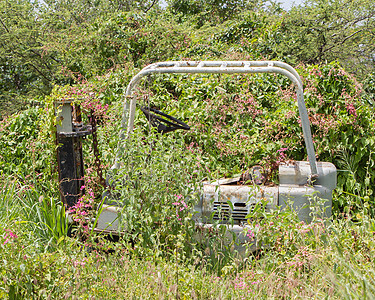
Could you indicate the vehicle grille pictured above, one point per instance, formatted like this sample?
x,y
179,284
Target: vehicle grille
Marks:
x,y
222,211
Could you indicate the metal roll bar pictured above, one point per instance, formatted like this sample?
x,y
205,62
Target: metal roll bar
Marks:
x,y
218,67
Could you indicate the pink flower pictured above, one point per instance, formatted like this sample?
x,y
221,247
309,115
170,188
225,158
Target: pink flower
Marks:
x,y
351,109
10,234
282,154
250,234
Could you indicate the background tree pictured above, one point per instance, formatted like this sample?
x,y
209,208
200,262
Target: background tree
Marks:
x,y
212,11
327,30
64,41
25,69
52,42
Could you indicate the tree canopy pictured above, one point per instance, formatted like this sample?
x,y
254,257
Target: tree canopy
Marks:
x,y
63,41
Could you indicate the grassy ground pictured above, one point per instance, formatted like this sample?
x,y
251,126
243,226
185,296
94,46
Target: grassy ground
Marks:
x,y
331,261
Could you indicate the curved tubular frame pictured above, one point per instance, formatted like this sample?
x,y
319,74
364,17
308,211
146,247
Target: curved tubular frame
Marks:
x,y
218,67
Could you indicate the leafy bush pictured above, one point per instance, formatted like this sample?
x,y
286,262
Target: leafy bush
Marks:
x,y
156,186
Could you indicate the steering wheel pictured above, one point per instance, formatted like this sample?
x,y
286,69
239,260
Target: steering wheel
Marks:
x,y
163,122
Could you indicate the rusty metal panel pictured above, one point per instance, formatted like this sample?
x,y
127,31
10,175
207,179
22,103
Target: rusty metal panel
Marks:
x,y
236,235
233,202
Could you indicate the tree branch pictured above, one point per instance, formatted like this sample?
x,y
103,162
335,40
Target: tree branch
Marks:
x,y
343,41
348,37
152,4
6,29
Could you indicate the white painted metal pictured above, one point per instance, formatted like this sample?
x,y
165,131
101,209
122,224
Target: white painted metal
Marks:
x,y
109,218
294,188
64,116
216,199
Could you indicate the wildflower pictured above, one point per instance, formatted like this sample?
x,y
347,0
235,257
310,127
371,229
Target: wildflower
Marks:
x,y
282,154
351,109
250,234
9,235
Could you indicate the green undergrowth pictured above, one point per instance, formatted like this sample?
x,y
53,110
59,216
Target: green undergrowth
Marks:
x,y
333,260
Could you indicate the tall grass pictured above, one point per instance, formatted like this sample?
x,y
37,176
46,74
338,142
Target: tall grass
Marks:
x,y
9,211
32,211
323,260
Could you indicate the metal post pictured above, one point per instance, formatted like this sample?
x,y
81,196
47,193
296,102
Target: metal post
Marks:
x,y
69,132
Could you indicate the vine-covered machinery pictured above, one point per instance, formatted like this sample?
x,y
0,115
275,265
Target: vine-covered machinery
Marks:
x,y
301,182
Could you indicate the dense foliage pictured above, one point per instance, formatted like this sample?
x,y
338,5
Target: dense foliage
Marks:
x,y
89,51
56,42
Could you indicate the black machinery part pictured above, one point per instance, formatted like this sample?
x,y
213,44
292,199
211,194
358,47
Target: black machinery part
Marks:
x,y
163,122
